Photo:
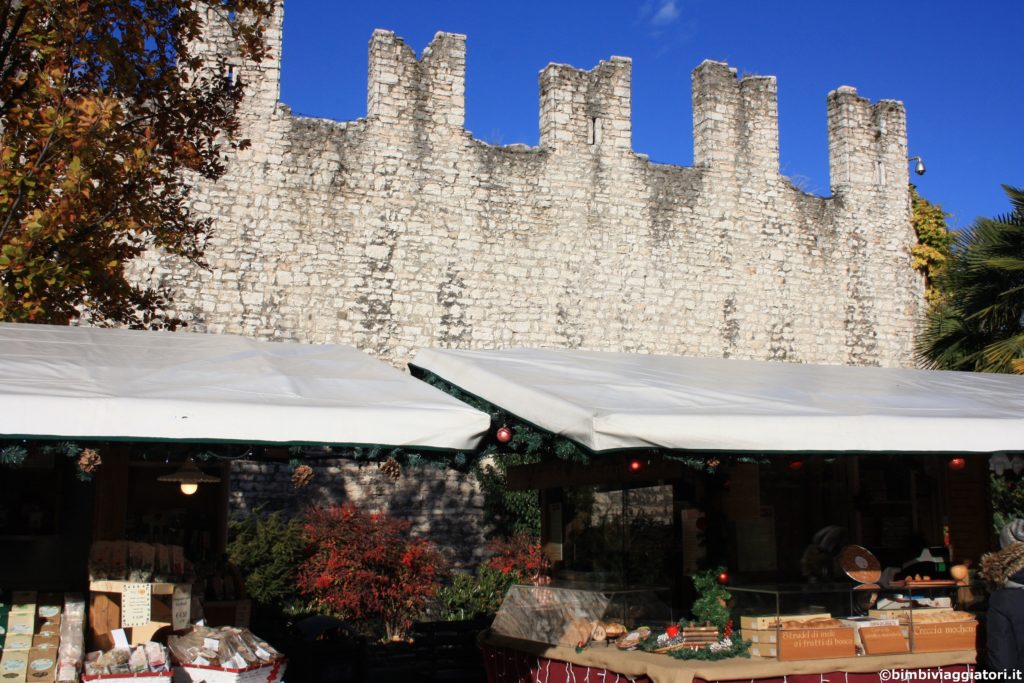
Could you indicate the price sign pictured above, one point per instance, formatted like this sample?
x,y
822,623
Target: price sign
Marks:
x,y
136,602
181,607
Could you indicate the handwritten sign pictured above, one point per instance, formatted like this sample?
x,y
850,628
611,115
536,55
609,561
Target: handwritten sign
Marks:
x,y
136,603
181,607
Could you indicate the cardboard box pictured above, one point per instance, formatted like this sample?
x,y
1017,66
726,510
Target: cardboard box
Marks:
x,y
769,621
49,605
21,641
42,666
816,643
48,628
14,666
23,601
944,636
46,642
21,624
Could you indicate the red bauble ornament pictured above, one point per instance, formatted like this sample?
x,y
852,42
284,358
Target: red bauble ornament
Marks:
x,y
504,435
957,464
635,465
796,465
723,578
672,631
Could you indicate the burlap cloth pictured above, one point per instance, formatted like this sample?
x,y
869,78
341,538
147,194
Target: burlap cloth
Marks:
x,y
665,669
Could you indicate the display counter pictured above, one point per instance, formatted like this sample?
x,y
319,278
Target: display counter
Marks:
x,y
509,660
560,632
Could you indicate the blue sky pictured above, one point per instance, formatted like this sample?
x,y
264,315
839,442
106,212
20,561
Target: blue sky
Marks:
x,y
957,66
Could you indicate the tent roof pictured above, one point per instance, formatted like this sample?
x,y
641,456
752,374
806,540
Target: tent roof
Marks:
x,y
90,383
608,401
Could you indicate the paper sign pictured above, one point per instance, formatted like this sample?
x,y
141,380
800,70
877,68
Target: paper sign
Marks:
x,y
136,602
181,608
120,639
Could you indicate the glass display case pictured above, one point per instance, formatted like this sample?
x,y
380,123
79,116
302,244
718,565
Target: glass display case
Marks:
x,y
817,621
565,614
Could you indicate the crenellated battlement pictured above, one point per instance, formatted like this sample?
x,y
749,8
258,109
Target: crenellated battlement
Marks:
x,y
582,110
867,143
400,230
735,120
400,88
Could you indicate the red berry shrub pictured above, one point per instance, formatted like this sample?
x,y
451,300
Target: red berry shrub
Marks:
x,y
365,566
519,554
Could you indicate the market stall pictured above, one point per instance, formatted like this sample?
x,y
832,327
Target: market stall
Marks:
x,y
120,393
784,453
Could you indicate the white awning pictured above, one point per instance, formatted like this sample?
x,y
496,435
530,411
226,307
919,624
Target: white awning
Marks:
x,y
608,401
79,382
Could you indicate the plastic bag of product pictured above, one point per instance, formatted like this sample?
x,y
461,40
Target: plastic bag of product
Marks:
x,y
242,648
92,664
177,563
74,607
161,563
185,648
259,647
115,661
156,656
137,661
140,562
100,561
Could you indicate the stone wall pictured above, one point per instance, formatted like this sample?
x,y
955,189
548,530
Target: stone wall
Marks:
x,y
400,230
445,503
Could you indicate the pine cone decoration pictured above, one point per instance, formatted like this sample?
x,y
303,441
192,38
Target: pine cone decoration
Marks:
x,y
391,468
302,475
713,463
89,461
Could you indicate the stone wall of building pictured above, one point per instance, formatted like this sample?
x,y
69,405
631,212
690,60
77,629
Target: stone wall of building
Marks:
x,y
400,230
444,504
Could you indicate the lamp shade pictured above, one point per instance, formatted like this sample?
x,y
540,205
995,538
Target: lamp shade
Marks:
x,y
189,473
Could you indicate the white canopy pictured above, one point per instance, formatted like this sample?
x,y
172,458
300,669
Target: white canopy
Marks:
x,y
79,382
610,401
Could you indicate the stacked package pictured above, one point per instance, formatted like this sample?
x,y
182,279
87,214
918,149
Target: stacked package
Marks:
x,y
32,637
143,658
72,639
137,562
227,647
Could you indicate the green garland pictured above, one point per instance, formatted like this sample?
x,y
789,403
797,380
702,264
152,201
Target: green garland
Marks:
x,y
739,648
13,455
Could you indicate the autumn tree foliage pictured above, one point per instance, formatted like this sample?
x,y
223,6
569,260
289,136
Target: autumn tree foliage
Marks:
x,y
934,249
362,565
105,109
